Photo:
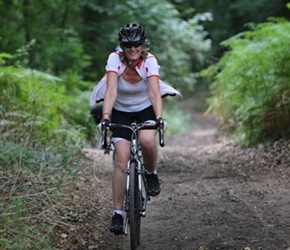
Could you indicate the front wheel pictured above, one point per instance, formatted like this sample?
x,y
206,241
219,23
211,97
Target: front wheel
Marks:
x,y
134,208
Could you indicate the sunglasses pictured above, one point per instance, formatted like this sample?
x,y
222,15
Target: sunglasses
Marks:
x,y
132,44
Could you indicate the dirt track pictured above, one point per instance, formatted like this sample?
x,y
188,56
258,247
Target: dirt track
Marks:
x,y
214,196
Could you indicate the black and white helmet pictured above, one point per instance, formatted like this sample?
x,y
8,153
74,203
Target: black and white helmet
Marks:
x,y
132,32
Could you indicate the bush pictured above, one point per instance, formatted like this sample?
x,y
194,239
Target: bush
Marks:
x,y
34,107
251,89
39,155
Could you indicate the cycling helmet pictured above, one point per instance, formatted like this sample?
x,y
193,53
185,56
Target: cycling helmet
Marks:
x,y
132,32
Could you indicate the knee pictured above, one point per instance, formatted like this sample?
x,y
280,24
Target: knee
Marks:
x,y
121,162
148,142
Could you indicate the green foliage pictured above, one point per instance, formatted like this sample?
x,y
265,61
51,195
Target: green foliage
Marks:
x,y
177,124
77,36
4,57
43,35
181,50
231,16
39,155
251,90
34,107
79,114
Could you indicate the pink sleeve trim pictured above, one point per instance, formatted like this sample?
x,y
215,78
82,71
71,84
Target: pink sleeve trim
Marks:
x,y
153,76
109,71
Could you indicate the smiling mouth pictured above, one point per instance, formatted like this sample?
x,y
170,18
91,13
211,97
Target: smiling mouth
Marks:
x,y
133,53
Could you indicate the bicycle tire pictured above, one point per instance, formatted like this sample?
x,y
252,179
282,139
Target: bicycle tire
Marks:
x,y
134,209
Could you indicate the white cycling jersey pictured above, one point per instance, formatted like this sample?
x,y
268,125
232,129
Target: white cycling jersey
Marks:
x,y
129,93
146,68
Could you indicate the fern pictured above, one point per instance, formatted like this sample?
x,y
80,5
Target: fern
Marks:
x,y
34,106
250,89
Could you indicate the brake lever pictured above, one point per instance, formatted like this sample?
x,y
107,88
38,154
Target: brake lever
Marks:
x,y
161,134
104,136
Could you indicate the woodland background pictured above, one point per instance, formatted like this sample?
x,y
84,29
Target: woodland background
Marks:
x,y
229,58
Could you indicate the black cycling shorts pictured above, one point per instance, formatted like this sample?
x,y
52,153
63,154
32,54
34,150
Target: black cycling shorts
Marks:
x,y
127,118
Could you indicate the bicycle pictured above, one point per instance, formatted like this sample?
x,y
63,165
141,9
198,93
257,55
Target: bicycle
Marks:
x,y
136,197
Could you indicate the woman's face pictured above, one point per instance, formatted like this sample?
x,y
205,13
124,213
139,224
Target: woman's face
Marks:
x,y
132,50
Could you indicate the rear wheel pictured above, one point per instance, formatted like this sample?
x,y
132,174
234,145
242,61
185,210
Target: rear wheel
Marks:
x,y
134,209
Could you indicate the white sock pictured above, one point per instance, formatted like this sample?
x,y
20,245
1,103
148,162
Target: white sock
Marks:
x,y
154,172
118,212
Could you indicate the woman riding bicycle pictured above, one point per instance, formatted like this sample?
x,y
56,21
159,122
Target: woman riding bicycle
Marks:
x,y
132,92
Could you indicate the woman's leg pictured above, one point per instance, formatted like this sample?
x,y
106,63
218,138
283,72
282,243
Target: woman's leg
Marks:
x,y
149,152
148,144
122,155
122,148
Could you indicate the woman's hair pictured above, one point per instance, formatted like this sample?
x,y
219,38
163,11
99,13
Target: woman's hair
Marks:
x,y
144,52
